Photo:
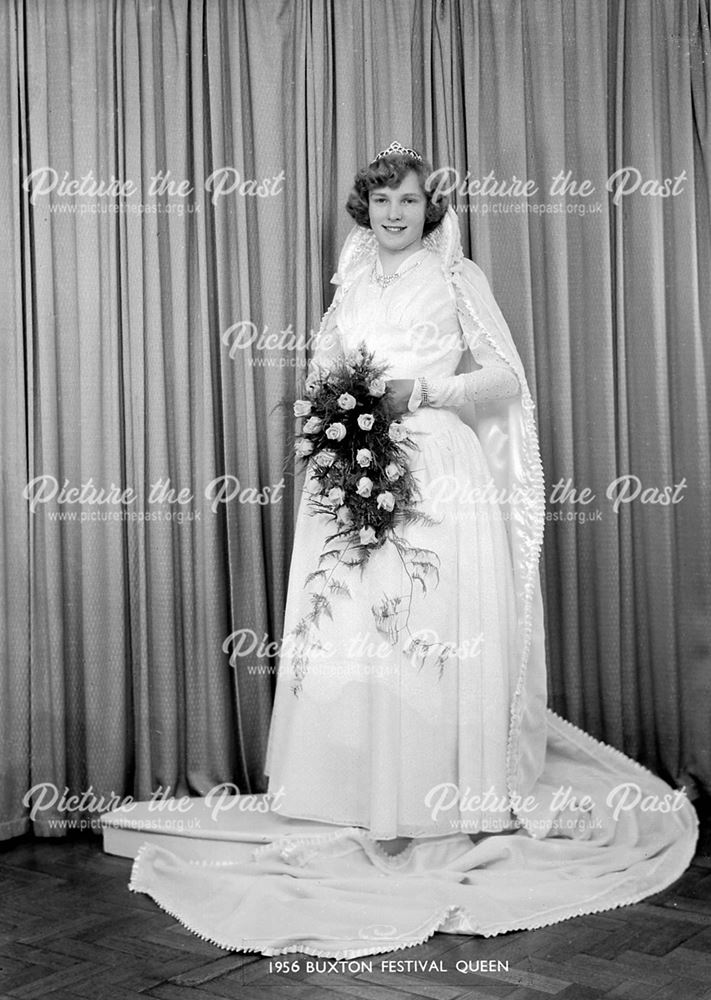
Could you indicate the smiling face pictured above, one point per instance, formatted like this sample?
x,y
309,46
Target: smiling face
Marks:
x,y
397,216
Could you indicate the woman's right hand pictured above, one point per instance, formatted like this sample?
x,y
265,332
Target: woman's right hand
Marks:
x,y
399,395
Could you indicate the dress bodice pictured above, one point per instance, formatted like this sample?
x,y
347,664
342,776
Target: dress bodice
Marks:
x,y
411,324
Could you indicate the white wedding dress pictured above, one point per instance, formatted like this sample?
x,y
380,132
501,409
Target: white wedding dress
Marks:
x,y
382,731
423,714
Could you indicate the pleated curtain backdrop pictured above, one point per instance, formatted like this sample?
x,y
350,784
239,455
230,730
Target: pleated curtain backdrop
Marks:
x,y
135,330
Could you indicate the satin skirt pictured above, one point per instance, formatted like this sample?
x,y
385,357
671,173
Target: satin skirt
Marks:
x,y
392,707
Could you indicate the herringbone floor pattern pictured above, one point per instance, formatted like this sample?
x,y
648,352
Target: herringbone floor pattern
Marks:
x,y
71,930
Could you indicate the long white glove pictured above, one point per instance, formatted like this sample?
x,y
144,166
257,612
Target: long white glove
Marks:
x,y
493,380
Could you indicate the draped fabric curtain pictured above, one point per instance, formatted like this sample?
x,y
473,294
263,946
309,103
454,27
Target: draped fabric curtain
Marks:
x,y
172,184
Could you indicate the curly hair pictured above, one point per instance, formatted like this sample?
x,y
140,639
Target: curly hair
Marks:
x,y
390,171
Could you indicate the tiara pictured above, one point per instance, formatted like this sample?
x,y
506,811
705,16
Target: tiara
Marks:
x,y
395,149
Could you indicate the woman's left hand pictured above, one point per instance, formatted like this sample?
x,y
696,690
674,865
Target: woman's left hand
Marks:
x,y
400,392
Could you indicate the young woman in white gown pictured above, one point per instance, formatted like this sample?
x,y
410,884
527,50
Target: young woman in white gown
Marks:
x,y
380,735
420,712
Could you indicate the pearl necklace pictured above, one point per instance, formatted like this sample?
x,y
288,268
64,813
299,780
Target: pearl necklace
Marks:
x,y
386,280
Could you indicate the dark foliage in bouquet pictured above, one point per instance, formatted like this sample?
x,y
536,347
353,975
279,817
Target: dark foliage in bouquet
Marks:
x,y
357,453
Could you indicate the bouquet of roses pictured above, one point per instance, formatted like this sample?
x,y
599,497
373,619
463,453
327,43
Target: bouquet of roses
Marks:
x,y
358,450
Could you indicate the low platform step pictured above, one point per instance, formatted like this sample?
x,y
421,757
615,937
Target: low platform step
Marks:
x,y
220,829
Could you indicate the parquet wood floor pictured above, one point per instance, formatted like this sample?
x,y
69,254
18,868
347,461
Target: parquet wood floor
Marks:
x,y
71,930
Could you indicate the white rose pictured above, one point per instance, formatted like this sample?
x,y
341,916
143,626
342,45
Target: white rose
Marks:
x,y
397,432
367,536
386,500
344,515
303,447
336,496
325,458
336,432
364,457
313,425
302,408
377,387
346,401
365,486
393,471
366,421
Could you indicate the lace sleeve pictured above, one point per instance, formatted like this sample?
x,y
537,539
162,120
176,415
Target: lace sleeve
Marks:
x,y
492,380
